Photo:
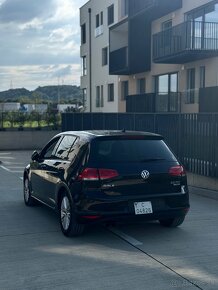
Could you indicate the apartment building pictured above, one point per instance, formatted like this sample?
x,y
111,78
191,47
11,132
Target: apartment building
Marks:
x,y
163,56
99,88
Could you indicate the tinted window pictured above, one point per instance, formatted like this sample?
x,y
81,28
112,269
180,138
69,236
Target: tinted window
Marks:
x,y
130,151
50,148
64,147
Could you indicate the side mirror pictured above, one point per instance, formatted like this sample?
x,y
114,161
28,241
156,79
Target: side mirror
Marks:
x,y
35,156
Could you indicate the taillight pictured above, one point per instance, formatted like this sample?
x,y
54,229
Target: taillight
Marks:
x,y
177,170
89,174
97,174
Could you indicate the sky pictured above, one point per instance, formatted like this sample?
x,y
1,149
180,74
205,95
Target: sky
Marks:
x,y
39,43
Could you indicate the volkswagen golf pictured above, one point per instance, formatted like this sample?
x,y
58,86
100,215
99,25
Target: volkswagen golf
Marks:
x,y
107,176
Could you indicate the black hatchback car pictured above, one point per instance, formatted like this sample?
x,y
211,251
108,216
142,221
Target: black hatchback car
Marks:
x,y
107,176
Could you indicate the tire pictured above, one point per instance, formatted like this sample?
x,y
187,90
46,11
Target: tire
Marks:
x,y
28,199
172,223
69,226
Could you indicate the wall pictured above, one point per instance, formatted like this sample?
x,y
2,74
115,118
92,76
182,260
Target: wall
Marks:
x,y
24,140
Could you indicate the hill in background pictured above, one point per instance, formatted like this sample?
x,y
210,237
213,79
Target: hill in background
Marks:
x,y
62,94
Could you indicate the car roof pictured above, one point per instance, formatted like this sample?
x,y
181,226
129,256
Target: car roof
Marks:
x,y
92,134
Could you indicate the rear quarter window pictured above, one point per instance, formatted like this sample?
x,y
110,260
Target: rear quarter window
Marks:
x,y
130,151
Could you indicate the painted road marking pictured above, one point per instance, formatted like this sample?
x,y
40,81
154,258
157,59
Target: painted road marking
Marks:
x,y
125,237
5,168
16,167
6,157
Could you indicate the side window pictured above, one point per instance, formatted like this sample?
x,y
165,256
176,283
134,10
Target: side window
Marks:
x,y
64,147
49,150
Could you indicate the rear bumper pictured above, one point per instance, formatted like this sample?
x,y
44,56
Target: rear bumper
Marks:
x,y
164,207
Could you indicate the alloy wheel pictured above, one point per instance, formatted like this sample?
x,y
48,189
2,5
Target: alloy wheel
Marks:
x,y
65,213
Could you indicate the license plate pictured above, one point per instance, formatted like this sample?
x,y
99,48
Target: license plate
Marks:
x,y
144,207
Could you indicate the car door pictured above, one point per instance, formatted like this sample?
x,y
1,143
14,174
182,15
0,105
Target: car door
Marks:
x,y
57,169
41,167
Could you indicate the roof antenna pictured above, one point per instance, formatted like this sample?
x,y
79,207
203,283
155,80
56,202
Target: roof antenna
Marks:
x,y
124,130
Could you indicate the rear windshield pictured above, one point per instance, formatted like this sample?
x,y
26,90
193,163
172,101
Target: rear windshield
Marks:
x,y
130,151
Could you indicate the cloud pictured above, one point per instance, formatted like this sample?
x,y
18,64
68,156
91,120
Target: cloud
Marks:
x,y
34,76
20,11
39,34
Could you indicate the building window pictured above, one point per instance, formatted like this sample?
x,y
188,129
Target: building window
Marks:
x,y
190,96
102,96
102,18
110,14
202,25
141,86
83,34
124,90
104,56
84,95
124,8
202,77
99,24
84,66
99,19
110,92
166,88
97,96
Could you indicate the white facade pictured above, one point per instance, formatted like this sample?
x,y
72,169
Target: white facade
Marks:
x,y
97,39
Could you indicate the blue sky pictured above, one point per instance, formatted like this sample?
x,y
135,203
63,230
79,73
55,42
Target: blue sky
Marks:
x,y
39,43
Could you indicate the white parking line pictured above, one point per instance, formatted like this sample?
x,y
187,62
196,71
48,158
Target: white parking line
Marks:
x,y
124,236
16,167
5,168
7,157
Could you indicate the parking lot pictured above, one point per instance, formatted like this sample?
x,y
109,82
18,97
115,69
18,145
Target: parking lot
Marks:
x,y
35,255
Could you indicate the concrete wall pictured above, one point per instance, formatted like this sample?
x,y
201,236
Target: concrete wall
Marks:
x,y
203,181
25,140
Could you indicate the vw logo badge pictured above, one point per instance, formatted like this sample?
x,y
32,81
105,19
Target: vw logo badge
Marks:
x,y
145,174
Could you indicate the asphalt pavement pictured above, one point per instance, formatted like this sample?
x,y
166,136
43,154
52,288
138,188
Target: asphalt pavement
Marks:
x,y
35,255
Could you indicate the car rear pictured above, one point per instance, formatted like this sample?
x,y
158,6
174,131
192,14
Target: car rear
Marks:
x,y
131,176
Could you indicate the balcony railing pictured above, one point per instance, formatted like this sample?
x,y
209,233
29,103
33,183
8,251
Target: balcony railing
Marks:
x,y
119,61
185,42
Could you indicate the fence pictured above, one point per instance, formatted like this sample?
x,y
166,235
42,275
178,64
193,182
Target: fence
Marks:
x,y
193,137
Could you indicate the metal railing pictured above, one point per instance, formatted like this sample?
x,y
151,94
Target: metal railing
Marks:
x,y
190,35
193,137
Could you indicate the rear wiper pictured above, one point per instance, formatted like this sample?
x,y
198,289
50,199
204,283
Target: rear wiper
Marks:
x,y
151,159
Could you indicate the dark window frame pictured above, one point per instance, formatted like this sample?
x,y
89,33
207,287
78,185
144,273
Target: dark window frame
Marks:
x,y
83,33
111,92
110,14
105,56
202,80
124,90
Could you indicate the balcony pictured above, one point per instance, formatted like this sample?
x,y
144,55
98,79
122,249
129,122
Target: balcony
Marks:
x,y
153,9
119,61
186,42
129,52
153,102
